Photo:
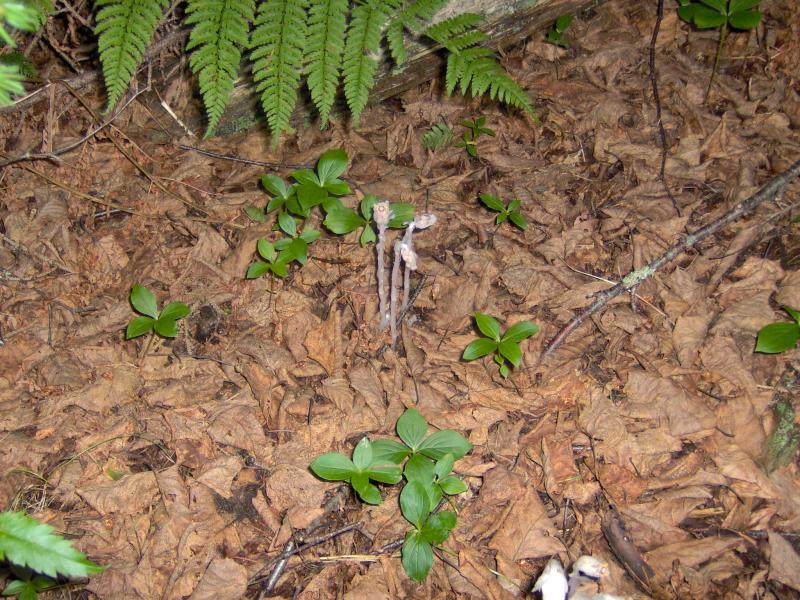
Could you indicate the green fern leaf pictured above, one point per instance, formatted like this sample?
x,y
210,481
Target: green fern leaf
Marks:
x,y
474,68
437,137
278,41
326,25
219,33
443,31
124,30
397,46
10,83
360,50
28,543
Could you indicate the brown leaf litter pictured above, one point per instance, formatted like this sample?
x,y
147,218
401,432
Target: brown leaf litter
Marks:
x,y
187,473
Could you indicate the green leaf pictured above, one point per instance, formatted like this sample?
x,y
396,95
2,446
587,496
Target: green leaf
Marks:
x,y
311,195
740,5
337,188
488,326
365,490
518,219
174,311
367,236
400,214
366,204
563,22
452,485
279,268
139,326
310,236
255,214
412,428
777,337
390,475
721,6
323,52
414,503
705,18
144,301
266,250
520,331
386,451
297,250
744,20
287,224
275,185
505,371
343,220
25,590
492,202
792,312
417,556
362,454
257,269
438,527
510,350
166,327
443,466
419,468
478,348
331,164
445,441
687,12
333,466
28,543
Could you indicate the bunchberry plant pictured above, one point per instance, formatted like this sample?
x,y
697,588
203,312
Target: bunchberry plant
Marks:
x,y
272,262
469,140
37,556
505,347
358,472
722,15
342,220
510,212
555,35
163,323
779,337
429,461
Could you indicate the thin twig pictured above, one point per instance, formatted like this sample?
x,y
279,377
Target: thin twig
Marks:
x,y
246,161
634,278
662,134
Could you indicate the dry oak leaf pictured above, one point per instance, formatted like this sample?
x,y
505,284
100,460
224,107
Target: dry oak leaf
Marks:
x,y
130,494
747,478
784,563
296,490
224,579
220,474
692,553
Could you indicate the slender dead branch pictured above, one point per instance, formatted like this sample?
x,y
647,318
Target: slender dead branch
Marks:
x,y
662,134
634,278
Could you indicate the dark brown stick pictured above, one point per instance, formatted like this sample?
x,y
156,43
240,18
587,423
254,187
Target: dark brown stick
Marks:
x,y
634,278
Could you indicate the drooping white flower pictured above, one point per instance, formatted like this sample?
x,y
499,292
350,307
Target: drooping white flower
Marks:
x,y
552,583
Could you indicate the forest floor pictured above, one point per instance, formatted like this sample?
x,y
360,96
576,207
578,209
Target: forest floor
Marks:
x,y
183,465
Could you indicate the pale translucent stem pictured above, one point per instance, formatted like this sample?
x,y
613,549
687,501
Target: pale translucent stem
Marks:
x,y
395,290
380,273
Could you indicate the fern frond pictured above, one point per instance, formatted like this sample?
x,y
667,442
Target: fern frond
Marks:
x,y
360,50
443,31
326,25
437,137
10,83
219,32
472,67
124,29
414,15
278,41
397,45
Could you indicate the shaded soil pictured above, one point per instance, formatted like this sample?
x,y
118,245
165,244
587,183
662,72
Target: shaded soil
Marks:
x,y
183,465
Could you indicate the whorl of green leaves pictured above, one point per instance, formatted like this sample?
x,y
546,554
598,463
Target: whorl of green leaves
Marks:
x,y
278,41
27,16
219,32
326,26
124,30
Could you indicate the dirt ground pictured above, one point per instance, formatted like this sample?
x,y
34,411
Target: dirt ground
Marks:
x,y
183,465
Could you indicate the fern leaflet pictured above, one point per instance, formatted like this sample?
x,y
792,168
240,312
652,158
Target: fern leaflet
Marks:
x,y
474,68
219,33
360,50
411,17
124,30
437,137
278,40
326,25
